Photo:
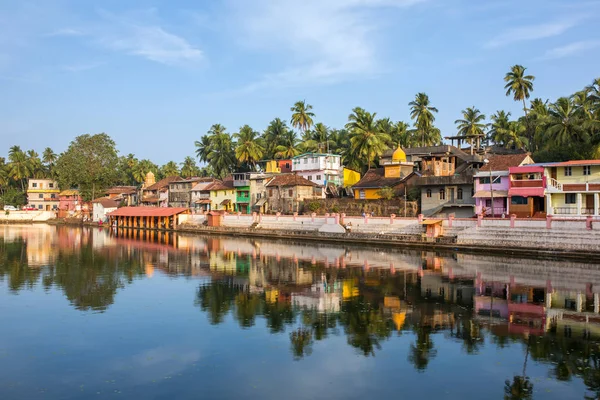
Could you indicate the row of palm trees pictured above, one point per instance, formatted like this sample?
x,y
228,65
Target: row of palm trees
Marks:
x,y
25,164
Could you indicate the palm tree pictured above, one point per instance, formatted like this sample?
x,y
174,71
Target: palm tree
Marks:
x,y
170,169
222,156
4,177
302,117
515,135
273,136
188,167
472,122
366,140
564,124
422,112
49,157
287,148
400,136
248,149
499,125
203,148
18,167
518,84
35,164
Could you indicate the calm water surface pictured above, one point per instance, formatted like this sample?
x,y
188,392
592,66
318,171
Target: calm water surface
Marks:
x,y
85,314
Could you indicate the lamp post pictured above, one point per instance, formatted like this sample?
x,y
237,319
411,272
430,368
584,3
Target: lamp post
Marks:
x,y
487,162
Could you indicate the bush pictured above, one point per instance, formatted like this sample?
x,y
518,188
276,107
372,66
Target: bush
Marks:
x,y
313,206
386,193
335,209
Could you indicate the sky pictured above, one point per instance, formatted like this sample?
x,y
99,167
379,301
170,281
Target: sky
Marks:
x,y
156,74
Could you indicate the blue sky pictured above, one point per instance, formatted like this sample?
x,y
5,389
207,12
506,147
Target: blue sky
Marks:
x,y
155,75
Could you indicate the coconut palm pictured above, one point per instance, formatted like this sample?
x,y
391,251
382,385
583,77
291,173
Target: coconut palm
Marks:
x,y
472,122
421,112
302,117
400,135
317,140
248,149
273,136
170,169
188,167
518,84
222,156
18,167
35,165
515,135
49,157
203,148
4,177
499,125
288,147
564,124
366,140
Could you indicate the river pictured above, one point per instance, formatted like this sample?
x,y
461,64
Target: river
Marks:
x,y
89,314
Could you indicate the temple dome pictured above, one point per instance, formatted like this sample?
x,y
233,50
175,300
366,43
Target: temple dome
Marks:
x,y
150,179
399,156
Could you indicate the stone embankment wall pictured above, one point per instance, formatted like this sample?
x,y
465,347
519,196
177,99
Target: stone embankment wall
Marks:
x,y
560,235
350,206
26,216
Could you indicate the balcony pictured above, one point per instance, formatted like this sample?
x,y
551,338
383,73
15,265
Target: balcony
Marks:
x,y
462,179
556,187
574,211
527,183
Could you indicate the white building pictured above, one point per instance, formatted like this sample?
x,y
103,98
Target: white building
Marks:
x,y
101,207
320,168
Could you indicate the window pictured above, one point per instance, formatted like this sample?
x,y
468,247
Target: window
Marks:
x,y
309,177
34,184
488,203
318,177
428,195
52,196
291,192
270,192
41,196
361,194
306,161
51,185
587,170
40,207
486,180
442,194
518,200
259,181
258,196
459,194
287,164
570,198
568,171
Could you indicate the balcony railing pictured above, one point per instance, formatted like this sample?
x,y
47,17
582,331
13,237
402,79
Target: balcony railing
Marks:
x,y
555,186
573,211
529,183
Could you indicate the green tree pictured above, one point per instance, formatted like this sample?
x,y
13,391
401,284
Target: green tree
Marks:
x,y
188,167
274,136
221,157
88,164
288,145
386,193
520,87
49,158
248,148
302,116
421,112
203,148
472,122
170,169
499,125
19,166
366,139
565,125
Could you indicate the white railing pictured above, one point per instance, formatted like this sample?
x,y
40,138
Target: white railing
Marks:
x,y
555,184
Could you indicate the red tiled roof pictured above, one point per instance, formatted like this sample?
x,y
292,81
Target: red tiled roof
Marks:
x,y
290,180
375,178
148,211
121,190
218,185
163,183
193,179
504,162
106,202
576,162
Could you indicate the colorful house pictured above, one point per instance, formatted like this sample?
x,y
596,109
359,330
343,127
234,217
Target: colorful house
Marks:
x,y
526,191
43,194
125,194
157,193
223,195
201,196
241,182
323,169
102,207
70,200
278,166
573,188
351,177
394,174
492,182
286,192
180,191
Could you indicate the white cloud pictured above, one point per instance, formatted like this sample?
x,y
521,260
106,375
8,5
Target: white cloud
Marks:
x,y
532,32
147,40
319,41
571,49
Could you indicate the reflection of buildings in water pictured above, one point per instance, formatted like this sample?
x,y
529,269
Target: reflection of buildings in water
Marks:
x,y
396,309
439,287
320,297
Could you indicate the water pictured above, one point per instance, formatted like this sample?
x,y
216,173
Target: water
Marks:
x,y
85,314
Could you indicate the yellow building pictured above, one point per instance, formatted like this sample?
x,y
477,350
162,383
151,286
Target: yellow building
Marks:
x,y
272,167
392,174
43,194
351,177
222,195
573,188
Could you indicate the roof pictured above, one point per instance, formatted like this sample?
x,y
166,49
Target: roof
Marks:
x,y
576,163
375,178
218,185
526,169
202,186
226,201
504,162
69,192
163,183
290,180
203,201
151,199
432,222
106,202
486,194
121,190
192,179
526,192
315,155
147,211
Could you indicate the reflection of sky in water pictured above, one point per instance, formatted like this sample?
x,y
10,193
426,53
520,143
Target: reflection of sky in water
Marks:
x,y
153,340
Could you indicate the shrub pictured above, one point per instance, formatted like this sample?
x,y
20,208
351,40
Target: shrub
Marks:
x,y
313,206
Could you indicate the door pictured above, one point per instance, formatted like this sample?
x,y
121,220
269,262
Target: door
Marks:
x,y
451,190
589,203
553,173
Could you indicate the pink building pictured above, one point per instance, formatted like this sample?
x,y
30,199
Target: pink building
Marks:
x,y
526,191
493,181
69,200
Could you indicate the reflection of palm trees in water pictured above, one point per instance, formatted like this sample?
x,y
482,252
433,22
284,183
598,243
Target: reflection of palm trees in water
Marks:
x,y
521,387
301,340
423,351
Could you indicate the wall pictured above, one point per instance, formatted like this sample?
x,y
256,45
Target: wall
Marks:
x,y
351,206
27,216
350,177
217,197
369,194
431,204
503,185
576,174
